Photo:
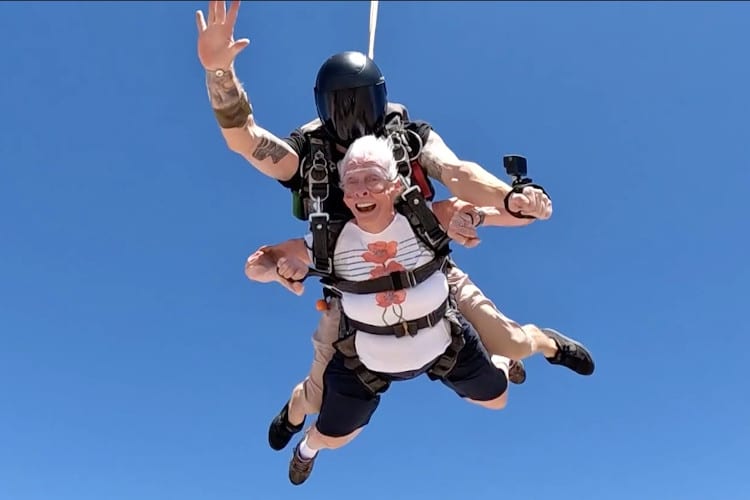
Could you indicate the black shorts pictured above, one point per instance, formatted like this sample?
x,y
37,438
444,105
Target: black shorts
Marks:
x,y
348,405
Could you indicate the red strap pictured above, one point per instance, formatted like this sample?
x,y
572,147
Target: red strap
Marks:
x,y
417,173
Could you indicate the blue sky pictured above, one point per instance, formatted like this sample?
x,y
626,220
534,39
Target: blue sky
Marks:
x,y
138,362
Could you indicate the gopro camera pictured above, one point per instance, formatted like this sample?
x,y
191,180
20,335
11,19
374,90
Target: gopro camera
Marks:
x,y
515,166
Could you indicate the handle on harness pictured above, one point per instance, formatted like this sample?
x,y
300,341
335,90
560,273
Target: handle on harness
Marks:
x,y
515,167
313,273
321,304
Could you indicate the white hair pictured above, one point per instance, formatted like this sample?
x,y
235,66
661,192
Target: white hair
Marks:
x,y
370,151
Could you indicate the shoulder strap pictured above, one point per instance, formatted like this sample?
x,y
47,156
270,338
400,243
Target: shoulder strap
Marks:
x,y
413,206
315,171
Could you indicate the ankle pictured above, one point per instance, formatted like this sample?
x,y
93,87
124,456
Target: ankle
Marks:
x,y
544,344
305,451
294,427
293,420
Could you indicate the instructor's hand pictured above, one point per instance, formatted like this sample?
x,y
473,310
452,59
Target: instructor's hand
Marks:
x,y
217,47
291,270
531,201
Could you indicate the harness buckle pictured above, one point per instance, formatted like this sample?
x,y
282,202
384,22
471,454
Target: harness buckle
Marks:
x,y
435,239
430,324
397,283
408,191
317,177
328,268
318,217
404,331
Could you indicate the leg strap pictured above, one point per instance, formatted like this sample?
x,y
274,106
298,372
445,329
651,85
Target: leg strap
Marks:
x,y
445,363
372,381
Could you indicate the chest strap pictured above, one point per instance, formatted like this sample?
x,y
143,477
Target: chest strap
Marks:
x,y
404,328
397,280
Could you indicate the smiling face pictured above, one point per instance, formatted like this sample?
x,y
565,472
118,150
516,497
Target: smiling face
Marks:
x,y
370,197
369,182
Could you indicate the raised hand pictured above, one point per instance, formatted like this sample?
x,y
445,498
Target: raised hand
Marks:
x,y
217,47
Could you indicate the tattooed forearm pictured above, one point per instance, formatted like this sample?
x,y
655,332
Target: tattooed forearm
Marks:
x,y
223,90
436,156
430,164
270,148
228,99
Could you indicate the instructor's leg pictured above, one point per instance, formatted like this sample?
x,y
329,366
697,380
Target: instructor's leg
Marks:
x,y
503,336
499,334
306,396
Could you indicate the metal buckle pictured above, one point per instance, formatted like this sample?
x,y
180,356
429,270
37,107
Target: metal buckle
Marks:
x,y
434,242
430,324
409,190
397,282
444,264
411,279
318,215
414,154
319,165
329,267
405,327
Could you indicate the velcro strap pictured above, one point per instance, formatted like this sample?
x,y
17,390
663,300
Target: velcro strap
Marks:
x,y
410,327
397,280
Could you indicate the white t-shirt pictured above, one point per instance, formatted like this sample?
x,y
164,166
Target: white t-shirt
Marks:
x,y
360,256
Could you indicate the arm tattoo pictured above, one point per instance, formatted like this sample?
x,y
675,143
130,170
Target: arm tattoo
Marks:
x,y
222,89
430,164
228,99
269,148
435,156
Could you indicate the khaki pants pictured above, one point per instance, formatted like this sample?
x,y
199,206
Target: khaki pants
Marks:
x,y
499,334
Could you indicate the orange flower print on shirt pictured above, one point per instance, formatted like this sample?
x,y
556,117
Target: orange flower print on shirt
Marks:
x,y
380,252
390,298
386,269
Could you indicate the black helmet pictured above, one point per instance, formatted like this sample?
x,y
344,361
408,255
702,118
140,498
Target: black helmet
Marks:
x,y
351,97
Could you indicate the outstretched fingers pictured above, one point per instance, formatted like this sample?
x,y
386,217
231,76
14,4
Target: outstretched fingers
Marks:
x,y
239,45
200,21
234,8
221,11
212,11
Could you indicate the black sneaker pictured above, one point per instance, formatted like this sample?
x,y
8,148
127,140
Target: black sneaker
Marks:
x,y
299,468
516,372
570,353
281,431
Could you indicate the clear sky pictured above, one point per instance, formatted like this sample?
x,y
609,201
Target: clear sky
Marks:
x,y
138,362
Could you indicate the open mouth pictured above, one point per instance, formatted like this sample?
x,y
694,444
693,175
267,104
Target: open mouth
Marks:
x,y
365,207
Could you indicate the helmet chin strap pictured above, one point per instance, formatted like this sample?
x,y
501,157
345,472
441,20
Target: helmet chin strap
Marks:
x,y
373,25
